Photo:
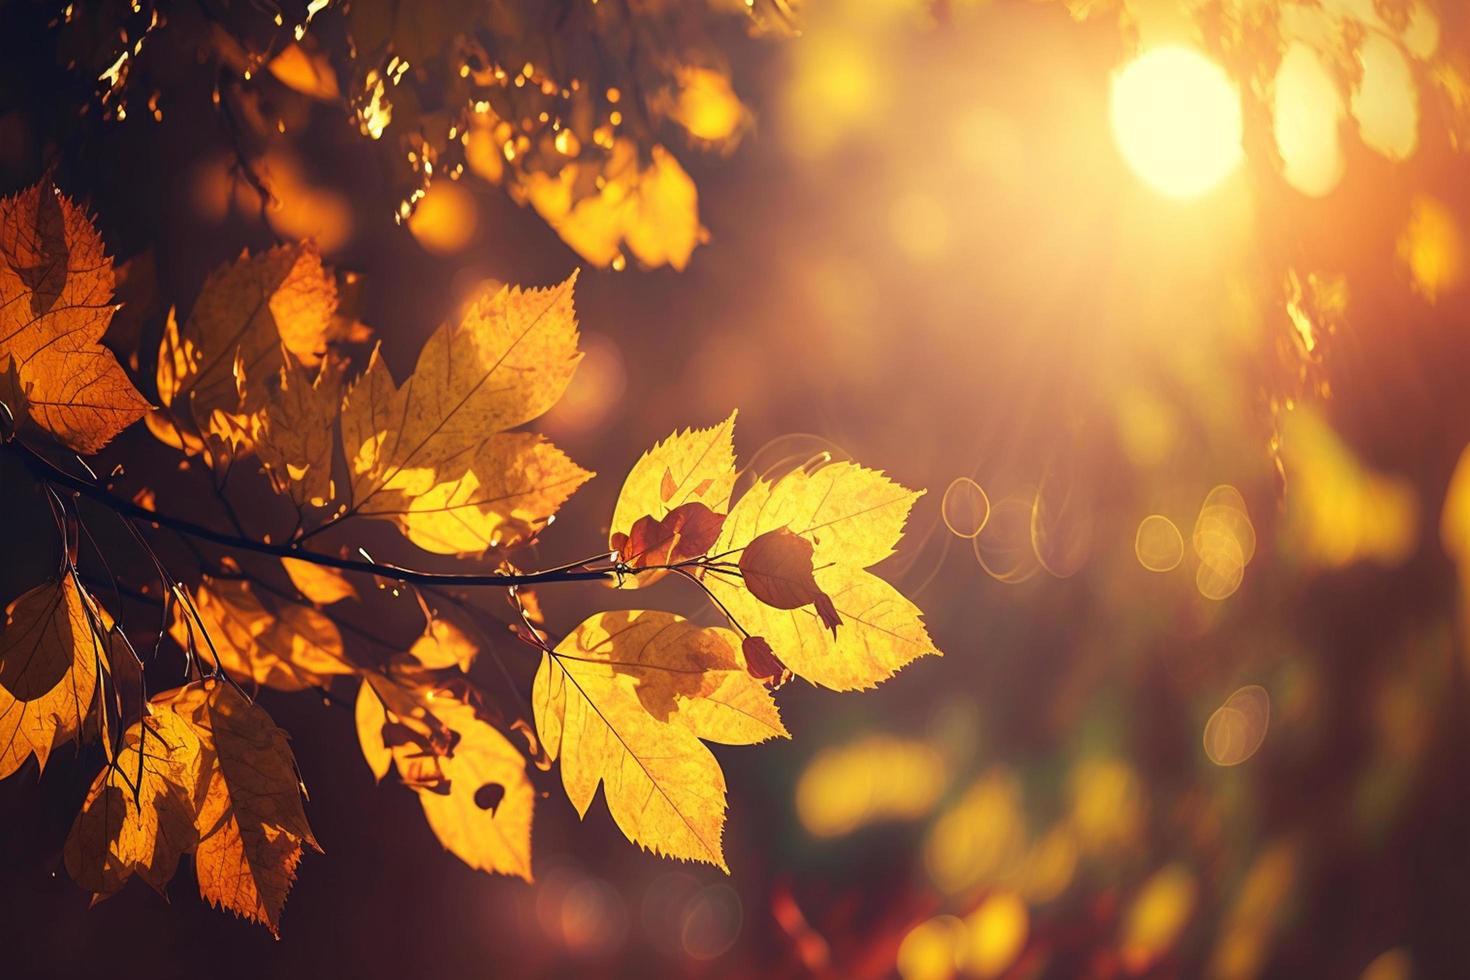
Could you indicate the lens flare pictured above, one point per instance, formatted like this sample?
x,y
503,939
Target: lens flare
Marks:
x,y
1176,118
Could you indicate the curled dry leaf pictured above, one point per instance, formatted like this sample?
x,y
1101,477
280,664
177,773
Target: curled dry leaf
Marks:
x,y
762,663
56,284
688,531
777,569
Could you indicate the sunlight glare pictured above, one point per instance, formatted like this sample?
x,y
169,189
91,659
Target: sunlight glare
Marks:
x,y
1176,118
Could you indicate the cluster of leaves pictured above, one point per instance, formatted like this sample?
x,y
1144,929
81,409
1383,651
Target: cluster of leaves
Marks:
x,y
568,106
261,376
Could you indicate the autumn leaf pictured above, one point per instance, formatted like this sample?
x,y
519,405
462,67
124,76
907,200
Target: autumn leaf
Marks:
x,y
251,825
370,717
686,532
296,436
318,583
295,648
48,672
509,488
56,284
422,454
776,568
443,646
852,517
623,702
246,315
691,466
481,812
139,816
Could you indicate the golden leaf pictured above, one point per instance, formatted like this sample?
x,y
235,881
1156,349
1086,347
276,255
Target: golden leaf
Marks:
x,y
852,517
139,817
295,441
56,285
245,314
48,672
506,362
443,646
318,583
250,821
483,814
370,718
624,701
693,465
512,484
295,649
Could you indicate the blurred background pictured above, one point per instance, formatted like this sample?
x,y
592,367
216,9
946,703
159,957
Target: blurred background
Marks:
x,y
1164,304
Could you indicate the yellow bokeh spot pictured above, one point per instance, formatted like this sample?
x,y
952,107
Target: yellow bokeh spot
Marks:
x,y
707,106
1107,804
1176,118
1224,541
873,779
1431,248
1158,544
982,838
1395,964
1157,916
931,949
996,935
446,219
1386,103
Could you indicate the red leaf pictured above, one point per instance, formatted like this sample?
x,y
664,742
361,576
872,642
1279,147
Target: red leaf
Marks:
x,y
762,663
688,531
777,568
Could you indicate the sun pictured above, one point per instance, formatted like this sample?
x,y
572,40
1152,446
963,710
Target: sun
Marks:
x,y
1176,117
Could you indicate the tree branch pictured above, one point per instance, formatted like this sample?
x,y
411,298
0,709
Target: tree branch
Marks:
x,y
49,473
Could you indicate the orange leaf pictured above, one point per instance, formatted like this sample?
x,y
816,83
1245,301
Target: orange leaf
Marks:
x,y
688,531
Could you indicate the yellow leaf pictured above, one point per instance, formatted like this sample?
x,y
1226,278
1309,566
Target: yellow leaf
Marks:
x,y
624,700
139,815
295,440
881,631
663,224
506,362
371,717
483,815
707,106
56,285
318,583
443,646
693,465
852,517
295,649
250,821
496,496
48,672
245,314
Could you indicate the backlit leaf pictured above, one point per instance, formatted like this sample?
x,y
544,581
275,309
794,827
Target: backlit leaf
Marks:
x,y
624,701
56,285
251,824
48,673
139,817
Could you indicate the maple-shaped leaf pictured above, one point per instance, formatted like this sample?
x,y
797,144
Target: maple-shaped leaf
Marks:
x,y
318,583
48,672
292,649
423,454
691,466
296,440
851,517
56,284
625,700
776,567
139,817
251,825
688,531
247,314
